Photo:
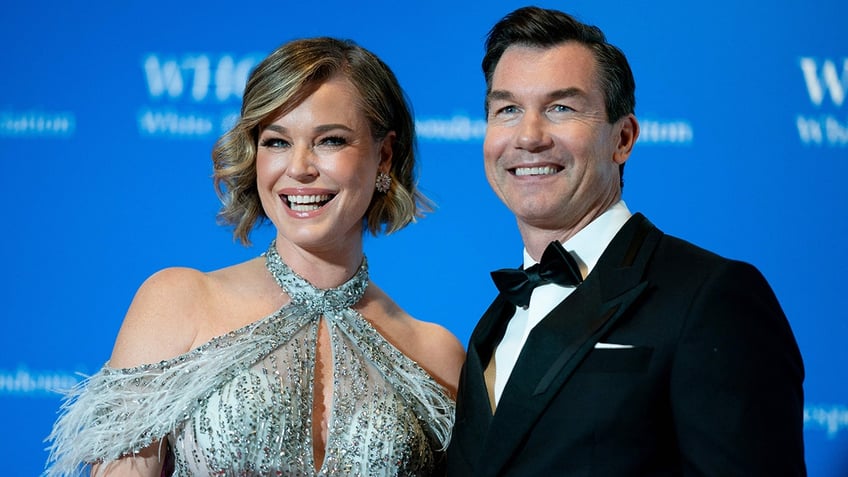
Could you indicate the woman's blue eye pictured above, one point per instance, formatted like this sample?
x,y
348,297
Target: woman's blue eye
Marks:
x,y
273,142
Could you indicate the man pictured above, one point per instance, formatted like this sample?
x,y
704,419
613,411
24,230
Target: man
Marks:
x,y
659,358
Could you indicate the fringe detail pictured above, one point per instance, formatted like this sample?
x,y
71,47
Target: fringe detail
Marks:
x,y
433,406
118,412
431,402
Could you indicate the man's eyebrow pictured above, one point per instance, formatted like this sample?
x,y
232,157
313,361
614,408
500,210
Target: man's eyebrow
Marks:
x,y
504,95
499,94
565,93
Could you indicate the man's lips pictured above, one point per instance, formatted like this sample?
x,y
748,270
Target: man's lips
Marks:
x,y
535,170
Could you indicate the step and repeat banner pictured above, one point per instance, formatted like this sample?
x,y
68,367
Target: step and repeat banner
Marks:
x,y
108,114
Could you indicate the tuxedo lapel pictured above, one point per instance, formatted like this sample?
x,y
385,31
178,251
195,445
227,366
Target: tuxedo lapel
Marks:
x,y
473,407
488,334
558,344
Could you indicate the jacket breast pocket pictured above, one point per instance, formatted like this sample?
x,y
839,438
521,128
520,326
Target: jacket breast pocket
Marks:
x,y
617,360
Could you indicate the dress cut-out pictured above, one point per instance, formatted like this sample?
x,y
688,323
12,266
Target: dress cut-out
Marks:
x,y
241,404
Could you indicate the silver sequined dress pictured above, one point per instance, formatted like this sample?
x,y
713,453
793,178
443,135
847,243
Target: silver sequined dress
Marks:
x,y
241,404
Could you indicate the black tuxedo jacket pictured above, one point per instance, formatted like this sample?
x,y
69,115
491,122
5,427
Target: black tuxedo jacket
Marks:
x,y
709,383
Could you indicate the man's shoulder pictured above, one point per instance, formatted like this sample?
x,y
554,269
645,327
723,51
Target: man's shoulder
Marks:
x,y
676,252
678,246
681,261
684,249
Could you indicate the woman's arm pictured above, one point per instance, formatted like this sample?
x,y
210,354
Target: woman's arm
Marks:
x,y
146,463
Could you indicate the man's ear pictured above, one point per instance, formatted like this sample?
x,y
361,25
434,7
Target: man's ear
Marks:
x,y
386,152
627,131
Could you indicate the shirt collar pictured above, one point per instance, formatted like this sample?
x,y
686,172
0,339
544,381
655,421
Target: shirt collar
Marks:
x,y
589,243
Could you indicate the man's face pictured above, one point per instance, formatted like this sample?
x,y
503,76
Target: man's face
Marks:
x,y
550,153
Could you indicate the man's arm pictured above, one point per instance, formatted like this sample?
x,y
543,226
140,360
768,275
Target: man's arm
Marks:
x,y
736,382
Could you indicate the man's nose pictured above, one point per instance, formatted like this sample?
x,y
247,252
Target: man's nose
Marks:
x,y
532,133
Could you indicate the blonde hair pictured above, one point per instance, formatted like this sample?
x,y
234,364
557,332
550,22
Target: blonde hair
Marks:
x,y
282,81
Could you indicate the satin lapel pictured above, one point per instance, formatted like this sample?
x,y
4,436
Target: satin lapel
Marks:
x,y
558,344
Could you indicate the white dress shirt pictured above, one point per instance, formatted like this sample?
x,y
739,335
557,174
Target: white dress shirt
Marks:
x,y
586,247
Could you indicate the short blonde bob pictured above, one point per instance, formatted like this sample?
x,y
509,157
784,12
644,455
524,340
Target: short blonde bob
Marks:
x,y
276,86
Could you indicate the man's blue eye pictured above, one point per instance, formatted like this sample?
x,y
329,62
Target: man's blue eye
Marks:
x,y
334,141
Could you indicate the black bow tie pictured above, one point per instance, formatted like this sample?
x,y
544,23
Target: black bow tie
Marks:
x,y
557,266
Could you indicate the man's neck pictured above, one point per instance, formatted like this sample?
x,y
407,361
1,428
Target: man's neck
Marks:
x,y
537,239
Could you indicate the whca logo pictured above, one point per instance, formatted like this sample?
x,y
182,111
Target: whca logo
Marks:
x,y
197,77
826,81
193,95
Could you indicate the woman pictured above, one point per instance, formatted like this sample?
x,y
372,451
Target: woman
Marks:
x,y
292,363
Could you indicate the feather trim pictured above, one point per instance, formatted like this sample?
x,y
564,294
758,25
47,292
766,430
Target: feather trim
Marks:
x,y
432,404
118,412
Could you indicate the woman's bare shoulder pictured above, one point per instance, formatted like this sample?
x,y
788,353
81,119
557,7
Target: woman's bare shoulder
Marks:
x,y
440,353
172,308
160,322
431,345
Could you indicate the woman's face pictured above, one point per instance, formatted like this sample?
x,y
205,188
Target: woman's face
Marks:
x,y
316,168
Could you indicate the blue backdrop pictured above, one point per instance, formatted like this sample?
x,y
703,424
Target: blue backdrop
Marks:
x,y
108,114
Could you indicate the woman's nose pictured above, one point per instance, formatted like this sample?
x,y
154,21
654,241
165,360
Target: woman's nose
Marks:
x,y
301,165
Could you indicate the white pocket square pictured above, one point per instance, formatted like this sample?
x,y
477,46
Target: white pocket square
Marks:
x,y
611,346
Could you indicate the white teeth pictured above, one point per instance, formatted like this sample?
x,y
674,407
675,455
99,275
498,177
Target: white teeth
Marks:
x,y
304,208
535,171
308,199
307,203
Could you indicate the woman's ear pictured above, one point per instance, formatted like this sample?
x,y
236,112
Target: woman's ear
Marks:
x,y
386,152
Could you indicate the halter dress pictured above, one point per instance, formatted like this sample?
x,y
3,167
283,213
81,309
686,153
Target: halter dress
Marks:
x,y
241,404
